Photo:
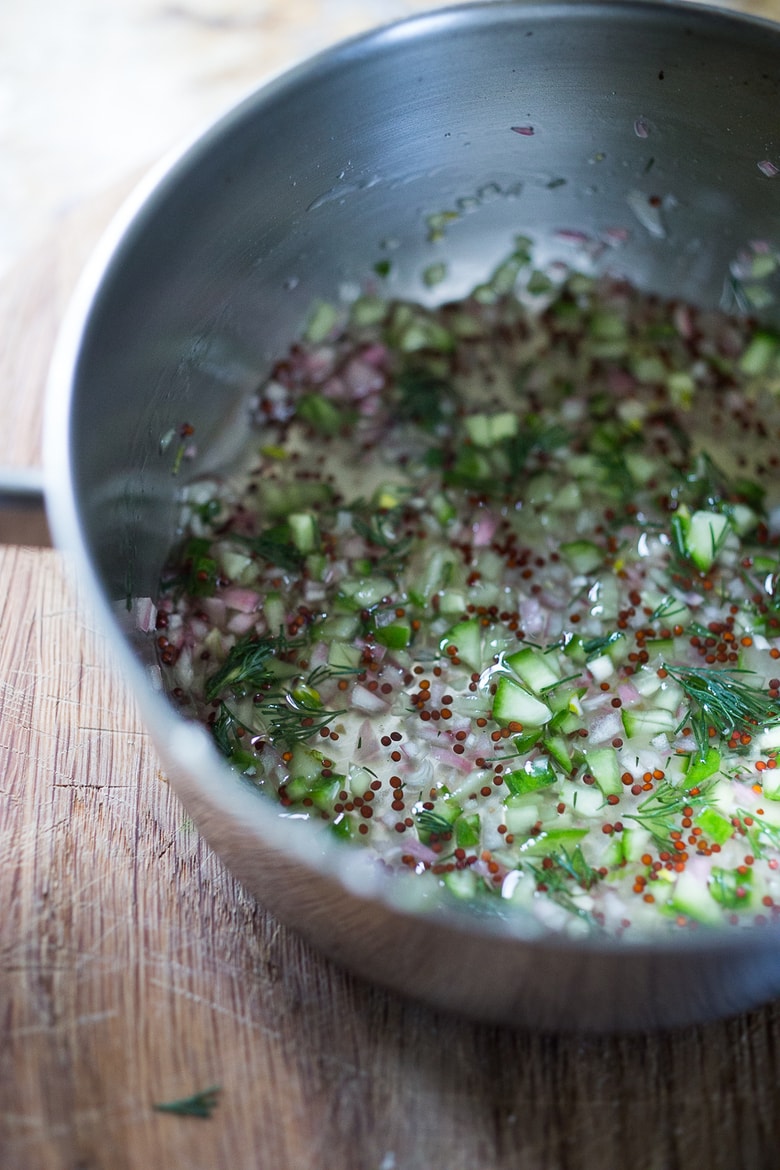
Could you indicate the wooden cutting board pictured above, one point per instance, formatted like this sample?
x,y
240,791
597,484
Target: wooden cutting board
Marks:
x,y
134,970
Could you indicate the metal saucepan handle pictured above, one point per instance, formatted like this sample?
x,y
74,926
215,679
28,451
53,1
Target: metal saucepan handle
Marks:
x,y
22,512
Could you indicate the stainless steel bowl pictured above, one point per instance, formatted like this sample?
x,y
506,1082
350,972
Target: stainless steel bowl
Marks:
x,y
211,269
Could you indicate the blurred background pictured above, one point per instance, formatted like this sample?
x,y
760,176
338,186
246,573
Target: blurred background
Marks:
x,y
94,91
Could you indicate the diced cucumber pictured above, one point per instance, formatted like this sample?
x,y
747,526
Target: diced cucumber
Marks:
x,y
306,764
582,555
395,635
549,840
485,430
760,354
649,368
715,827
462,883
607,325
451,602
647,724
601,667
769,739
733,890
634,842
321,413
520,814
743,519
342,655
280,497
558,748
537,773
604,766
646,681
704,534
771,784
323,319
660,646
640,468
566,699
237,566
466,639
467,830
567,499
513,704
340,627
586,800
527,740
534,668
364,592
702,769
668,697
681,388
434,573
316,564
274,612
304,531
368,310
691,896
565,722
541,488
443,508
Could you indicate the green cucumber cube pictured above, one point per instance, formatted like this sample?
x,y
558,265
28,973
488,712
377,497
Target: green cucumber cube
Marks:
x,y
715,827
534,668
513,704
604,766
699,770
466,639
536,774
583,555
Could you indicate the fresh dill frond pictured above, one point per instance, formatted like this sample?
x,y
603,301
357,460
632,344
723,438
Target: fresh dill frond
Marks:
x,y
556,883
432,822
294,719
379,530
593,647
531,439
425,396
245,667
325,672
667,608
200,1104
721,698
228,732
575,865
758,831
196,575
272,547
658,814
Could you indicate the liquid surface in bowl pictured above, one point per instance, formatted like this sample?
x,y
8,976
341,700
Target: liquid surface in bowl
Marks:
x,y
498,596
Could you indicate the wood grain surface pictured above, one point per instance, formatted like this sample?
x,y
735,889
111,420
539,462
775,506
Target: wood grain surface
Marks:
x,y
134,969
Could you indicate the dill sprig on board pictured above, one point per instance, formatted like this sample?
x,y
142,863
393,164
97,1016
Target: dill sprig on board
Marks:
x,y
723,700
200,1104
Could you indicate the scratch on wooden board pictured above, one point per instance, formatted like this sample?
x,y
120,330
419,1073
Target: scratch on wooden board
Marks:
x,y
24,1030
220,1009
16,703
39,1128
